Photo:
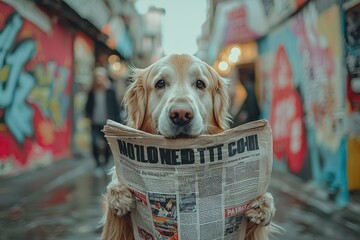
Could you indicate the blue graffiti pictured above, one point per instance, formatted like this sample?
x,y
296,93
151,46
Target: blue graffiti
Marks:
x,y
15,83
59,94
49,93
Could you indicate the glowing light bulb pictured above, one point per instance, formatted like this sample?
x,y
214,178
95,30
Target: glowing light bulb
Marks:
x,y
235,51
223,66
116,66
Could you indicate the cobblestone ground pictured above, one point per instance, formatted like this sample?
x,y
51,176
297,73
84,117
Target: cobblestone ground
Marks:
x,y
69,208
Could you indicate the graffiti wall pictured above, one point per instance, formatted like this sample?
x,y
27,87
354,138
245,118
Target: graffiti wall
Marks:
x,y
303,92
352,56
84,62
35,87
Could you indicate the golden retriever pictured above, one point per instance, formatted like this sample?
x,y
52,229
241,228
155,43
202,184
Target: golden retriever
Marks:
x,y
178,96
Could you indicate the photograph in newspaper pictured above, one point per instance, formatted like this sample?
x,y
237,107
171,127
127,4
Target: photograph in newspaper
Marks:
x,y
232,224
140,198
233,219
164,215
140,215
187,203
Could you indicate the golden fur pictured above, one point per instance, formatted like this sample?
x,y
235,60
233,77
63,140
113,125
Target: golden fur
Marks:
x,y
177,88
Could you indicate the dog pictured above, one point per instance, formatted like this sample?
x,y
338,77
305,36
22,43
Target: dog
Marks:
x,y
178,96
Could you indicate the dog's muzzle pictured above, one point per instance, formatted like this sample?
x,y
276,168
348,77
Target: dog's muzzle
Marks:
x,y
181,116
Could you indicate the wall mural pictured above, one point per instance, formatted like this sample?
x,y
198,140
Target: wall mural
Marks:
x,y
84,62
352,56
302,76
35,71
286,116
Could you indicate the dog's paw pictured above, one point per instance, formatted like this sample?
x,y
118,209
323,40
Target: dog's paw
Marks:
x,y
119,198
261,210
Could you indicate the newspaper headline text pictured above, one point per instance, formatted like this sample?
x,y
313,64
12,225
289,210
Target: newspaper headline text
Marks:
x,y
184,156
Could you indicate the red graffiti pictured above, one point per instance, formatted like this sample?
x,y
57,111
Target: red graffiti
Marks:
x,y
238,28
286,115
35,121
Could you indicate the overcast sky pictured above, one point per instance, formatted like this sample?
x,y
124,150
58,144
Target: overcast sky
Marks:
x,y
182,23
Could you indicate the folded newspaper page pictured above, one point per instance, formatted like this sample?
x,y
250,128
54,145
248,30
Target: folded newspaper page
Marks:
x,y
193,188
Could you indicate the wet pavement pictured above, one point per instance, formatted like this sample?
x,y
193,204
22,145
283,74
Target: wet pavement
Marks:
x,y
63,201
65,207
303,222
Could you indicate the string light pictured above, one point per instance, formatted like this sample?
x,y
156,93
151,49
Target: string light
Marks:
x,y
223,66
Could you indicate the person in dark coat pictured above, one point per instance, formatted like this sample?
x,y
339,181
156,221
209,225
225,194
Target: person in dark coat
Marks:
x,y
249,110
100,106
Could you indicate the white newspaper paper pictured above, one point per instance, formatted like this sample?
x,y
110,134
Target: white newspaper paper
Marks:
x,y
195,188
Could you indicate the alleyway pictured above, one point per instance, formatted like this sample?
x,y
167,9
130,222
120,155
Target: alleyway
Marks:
x,y
295,63
63,202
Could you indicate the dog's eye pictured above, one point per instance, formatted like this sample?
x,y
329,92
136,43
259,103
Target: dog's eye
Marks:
x,y
160,84
200,84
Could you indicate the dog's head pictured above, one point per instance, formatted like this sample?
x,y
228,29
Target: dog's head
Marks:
x,y
178,96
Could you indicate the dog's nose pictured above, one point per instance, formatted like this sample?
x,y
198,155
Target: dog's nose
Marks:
x,y
181,116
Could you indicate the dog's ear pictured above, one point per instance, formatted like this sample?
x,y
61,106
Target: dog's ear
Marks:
x,y
134,100
221,100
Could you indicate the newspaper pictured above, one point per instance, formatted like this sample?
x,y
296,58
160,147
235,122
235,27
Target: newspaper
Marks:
x,y
195,188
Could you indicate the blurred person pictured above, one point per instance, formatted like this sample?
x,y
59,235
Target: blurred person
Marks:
x,y
100,106
249,110
238,95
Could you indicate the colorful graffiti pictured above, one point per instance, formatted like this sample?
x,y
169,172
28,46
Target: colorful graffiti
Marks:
x,y
84,62
15,85
352,56
49,93
321,53
35,70
286,115
279,10
303,92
